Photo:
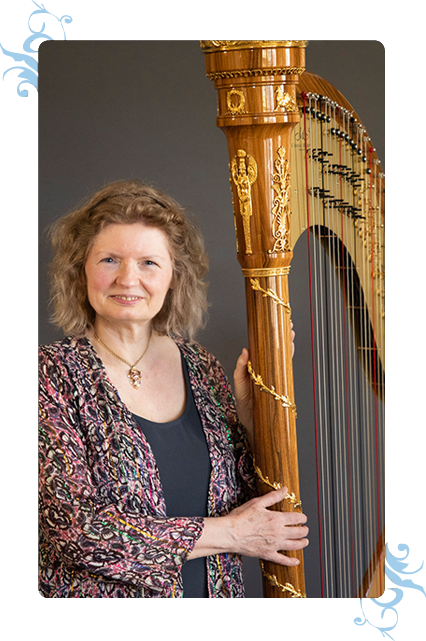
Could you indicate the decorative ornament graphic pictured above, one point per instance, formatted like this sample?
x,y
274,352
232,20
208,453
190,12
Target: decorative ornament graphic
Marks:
x,y
395,570
29,72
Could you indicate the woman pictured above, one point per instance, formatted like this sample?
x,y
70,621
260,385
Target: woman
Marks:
x,y
145,470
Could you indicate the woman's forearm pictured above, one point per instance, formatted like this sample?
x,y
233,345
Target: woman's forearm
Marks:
x,y
255,531
215,539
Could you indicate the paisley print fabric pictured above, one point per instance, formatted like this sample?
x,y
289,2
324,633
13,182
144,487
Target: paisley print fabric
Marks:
x,y
103,526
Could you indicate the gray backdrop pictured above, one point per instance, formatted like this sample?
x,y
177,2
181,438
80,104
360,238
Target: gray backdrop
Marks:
x,y
112,110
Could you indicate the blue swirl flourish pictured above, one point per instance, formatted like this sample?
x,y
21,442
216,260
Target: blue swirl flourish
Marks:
x,y
29,73
394,568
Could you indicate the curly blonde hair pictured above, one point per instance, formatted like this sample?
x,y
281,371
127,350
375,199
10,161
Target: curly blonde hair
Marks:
x,y
127,202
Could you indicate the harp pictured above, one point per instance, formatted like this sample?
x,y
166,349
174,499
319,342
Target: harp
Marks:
x,y
308,194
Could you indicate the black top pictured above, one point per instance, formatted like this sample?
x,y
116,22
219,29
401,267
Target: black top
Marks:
x,y
183,462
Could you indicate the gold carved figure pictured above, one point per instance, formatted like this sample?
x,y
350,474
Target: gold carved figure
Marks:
x,y
284,100
244,174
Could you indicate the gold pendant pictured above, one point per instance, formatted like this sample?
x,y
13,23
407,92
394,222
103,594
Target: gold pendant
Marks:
x,y
135,377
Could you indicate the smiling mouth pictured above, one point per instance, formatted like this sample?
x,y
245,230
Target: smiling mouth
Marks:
x,y
127,298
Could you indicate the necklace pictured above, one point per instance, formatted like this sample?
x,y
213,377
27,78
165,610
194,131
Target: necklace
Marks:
x,y
134,375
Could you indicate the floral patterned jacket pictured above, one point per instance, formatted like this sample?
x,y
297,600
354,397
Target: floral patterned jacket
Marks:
x,y
103,527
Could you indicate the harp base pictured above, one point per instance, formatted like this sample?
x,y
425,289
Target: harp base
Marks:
x,y
380,586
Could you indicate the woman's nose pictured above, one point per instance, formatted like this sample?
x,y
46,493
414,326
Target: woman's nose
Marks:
x,y
127,275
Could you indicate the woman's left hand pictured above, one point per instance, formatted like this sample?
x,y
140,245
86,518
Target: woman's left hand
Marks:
x,y
243,388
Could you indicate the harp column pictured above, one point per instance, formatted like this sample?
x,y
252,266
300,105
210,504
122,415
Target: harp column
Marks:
x,y
256,83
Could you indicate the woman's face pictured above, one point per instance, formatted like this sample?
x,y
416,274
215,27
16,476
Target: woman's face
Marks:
x,y
129,272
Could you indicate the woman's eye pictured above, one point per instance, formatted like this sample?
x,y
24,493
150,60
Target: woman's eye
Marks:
x,y
111,261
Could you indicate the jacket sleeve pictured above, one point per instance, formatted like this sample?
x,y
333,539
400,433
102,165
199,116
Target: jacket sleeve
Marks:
x,y
86,531
237,433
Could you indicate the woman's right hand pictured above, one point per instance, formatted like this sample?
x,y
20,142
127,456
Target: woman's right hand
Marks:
x,y
253,530
262,533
